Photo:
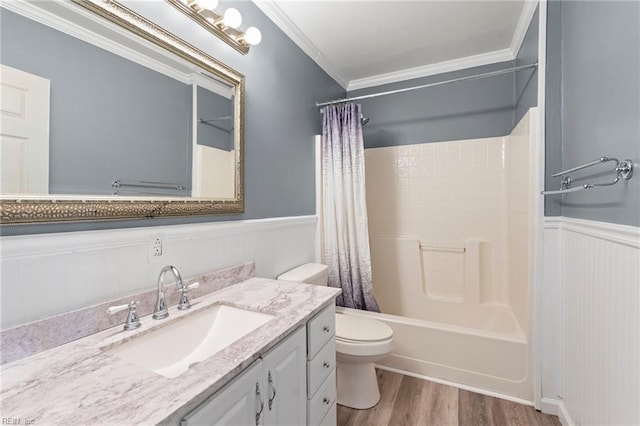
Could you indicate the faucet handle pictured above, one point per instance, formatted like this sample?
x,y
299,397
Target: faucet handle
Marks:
x,y
184,303
115,309
133,321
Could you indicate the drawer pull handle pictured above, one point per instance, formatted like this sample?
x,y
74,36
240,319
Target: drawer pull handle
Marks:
x,y
326,364
326,400
259,413
326,329
273,388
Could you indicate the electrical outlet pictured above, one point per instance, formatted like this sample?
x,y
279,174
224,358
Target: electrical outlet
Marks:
x,y
155,248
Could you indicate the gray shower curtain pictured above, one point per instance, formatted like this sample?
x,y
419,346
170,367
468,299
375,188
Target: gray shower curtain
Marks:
x,y
344,207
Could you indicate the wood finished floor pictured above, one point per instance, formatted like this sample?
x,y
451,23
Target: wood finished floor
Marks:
x,y
407,401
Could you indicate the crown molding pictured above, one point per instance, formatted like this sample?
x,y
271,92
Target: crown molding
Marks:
x,y
90,34
282,21
277,16
433,69
526,15
32,11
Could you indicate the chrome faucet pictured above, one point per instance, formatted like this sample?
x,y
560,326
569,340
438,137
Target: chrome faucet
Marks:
x,y
160,311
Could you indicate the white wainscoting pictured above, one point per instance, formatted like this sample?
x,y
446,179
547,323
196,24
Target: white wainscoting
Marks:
x,y
591,322
43,275
550,297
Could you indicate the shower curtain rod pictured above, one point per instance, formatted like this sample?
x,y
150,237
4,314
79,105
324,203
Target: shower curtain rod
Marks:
x,y
424,86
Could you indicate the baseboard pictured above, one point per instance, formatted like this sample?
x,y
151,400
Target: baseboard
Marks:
x,y
556,407
564,416
550,406
457,385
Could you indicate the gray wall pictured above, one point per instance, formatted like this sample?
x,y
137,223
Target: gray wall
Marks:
x,y
526,91
107,115
553,107
481,108
601,104
282,86
472,109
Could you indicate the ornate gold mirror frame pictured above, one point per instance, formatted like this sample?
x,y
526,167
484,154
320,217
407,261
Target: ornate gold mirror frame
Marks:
x,y
49,209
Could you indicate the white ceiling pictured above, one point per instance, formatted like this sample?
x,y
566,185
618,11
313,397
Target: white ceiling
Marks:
x,y
368,43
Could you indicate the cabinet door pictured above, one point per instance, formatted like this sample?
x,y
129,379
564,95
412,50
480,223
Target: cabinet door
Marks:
x,y
284,369
235,404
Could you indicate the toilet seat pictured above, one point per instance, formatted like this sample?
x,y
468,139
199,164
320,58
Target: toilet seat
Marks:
x,y
363,350
362,337
355,329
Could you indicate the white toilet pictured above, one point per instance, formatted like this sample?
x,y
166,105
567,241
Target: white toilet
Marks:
x,y
360,342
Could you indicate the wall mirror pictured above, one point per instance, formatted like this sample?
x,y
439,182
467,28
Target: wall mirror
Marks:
x,y
106,115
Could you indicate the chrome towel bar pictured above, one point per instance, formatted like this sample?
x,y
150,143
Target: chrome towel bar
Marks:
x,y
624,170
145,184
133,192
566,191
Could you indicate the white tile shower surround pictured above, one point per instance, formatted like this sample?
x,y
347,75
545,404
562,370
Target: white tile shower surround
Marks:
x,y
590,313
56,273
451,255
472,195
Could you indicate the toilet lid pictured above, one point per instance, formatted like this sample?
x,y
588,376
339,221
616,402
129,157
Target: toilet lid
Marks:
x,y
355,328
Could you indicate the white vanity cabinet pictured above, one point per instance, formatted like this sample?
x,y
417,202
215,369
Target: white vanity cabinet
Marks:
x,y
270,392
293,384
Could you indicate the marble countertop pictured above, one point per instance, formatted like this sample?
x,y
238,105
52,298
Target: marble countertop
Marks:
x,y
78,383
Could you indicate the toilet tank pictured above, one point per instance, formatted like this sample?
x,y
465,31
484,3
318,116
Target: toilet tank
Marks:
x,y
309,273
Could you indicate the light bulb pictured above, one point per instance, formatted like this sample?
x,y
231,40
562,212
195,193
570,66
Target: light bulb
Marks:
x,y
207,4
253,36
232,18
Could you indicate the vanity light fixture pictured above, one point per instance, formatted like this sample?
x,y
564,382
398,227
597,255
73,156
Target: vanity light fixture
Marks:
x,y
232,18
252,36
207,4
225,25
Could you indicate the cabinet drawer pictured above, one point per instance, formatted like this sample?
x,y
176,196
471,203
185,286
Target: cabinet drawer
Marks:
x,y
331,419
318,407
319,330
319,368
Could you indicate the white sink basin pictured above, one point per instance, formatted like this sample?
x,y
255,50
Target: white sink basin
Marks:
x,y
170,350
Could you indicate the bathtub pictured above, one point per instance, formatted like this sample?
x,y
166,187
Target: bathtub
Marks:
x,y
492,359
450,322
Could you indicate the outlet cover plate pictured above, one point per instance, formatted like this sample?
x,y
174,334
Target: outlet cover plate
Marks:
x,y
156,248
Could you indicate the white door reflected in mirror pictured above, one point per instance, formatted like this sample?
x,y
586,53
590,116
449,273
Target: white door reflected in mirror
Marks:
x,y
24,132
